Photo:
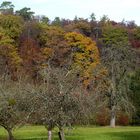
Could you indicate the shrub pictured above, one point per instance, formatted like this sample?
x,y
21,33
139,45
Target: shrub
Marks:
x,y
102,117
122,119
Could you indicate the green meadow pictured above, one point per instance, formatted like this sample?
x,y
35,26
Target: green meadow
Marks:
x,y
77,133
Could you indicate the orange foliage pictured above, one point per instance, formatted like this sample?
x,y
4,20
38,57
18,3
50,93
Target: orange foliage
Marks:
x,y
85,54
53,45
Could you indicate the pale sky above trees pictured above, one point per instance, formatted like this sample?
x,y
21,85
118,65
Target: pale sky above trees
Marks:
x,y
115,9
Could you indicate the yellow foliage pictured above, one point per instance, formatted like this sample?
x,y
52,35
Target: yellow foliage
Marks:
x,y
51,36
8,50
47,52
85,54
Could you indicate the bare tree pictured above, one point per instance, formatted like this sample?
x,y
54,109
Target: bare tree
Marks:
x,y
16,103
58,97
10,115
119,61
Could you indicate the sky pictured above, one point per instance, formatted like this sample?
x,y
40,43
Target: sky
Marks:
x,y
116,10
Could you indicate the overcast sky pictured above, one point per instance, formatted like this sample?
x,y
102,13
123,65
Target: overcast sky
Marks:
x,y
115,9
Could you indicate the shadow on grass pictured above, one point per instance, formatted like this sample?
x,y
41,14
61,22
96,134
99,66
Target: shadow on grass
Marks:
x,y
129,135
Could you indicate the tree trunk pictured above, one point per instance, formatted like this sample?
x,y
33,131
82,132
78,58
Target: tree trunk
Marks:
x,y
113,117
113,103
61,134
49,134
10,135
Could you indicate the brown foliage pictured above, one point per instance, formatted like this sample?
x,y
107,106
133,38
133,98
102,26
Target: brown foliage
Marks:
x,y
32,56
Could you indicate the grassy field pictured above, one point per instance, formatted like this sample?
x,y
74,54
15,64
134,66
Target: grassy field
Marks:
x,y
78,133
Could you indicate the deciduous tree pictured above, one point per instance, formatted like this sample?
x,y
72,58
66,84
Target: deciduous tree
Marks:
x,y
118,57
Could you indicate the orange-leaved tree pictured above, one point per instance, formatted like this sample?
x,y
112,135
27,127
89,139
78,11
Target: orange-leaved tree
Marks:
x,y
85,55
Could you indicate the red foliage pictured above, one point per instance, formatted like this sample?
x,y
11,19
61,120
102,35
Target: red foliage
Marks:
x,y
135,43
102,117
123,119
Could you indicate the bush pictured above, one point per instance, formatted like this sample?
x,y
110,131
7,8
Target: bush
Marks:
x,y
102,117
123,119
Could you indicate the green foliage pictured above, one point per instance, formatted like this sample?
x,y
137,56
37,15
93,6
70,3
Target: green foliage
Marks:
x,y
104,21
92,17
135,95
7,8
12,26
45,20
137,33
80,25
115,36
4,39
51,36
56,22
135,82
8,50
118,57
25,13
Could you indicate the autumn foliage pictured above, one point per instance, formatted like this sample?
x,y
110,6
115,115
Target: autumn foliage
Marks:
x,y
85,54
30,46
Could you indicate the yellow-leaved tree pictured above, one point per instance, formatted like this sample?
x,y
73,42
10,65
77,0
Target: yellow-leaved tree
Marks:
x,y
85,55
9,56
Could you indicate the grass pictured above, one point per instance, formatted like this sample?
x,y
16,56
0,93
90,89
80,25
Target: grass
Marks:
x,y
78,133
